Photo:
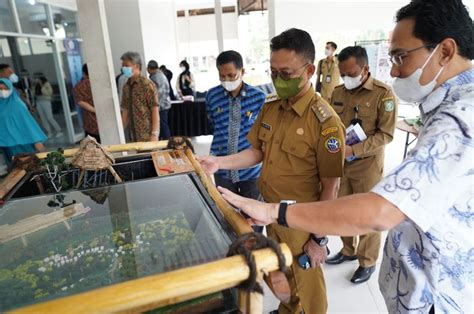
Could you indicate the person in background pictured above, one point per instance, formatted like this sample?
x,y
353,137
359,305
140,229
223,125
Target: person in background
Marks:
x,y
169,76
43,93
163,89
426,202
7,72
121,80
365,102
140,108
232,108
185,83
299,140
327,75
19,131
83,96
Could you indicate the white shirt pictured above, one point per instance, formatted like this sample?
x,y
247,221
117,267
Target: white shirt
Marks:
x,y
429,258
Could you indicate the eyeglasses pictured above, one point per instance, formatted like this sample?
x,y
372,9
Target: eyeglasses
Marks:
x,y
397,58
285,75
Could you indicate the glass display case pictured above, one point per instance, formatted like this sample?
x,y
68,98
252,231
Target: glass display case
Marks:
x,y
56,245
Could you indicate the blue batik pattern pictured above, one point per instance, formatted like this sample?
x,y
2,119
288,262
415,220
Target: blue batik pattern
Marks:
x,y
428,259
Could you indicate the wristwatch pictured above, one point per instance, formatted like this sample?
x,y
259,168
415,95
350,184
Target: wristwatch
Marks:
x,y
282,212
155,133
323,241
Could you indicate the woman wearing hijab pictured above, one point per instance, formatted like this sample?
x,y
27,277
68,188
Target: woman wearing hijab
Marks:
x,y
20,132
185,82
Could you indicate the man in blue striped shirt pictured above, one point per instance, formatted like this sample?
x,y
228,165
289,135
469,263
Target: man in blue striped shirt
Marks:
x,y
232,108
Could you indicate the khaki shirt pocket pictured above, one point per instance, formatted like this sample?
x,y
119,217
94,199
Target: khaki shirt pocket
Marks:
x,y
368,114
296,147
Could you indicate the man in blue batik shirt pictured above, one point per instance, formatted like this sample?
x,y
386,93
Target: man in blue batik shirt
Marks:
x,y
427,202
232,108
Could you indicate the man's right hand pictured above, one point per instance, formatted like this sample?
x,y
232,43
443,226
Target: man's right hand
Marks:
x,y
209,163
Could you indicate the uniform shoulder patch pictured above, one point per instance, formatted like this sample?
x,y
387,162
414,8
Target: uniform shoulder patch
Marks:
x,y
321,110
271,97
333,145
388,104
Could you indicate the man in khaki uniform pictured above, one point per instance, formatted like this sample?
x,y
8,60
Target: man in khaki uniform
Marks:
x,y
299,139
370,103
327,74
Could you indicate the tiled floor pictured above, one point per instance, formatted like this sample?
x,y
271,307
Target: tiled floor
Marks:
x,y
343,296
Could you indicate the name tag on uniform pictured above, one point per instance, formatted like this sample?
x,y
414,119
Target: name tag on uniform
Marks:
x,y
338,103
266,126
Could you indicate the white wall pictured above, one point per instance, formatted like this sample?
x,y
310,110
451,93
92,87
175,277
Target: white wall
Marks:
x,y
318,17
325,20
125,31
159,30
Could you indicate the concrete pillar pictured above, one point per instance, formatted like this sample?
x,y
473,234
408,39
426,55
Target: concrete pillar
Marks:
x,y
98,55
271,19
219,30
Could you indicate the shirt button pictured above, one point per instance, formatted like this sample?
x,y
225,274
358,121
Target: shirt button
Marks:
x,y
270,162
292,148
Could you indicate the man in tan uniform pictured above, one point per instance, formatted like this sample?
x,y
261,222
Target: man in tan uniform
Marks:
x,y
300,140
370,103
327,74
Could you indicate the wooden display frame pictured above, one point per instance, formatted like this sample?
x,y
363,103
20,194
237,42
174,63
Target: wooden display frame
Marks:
x,y
177,286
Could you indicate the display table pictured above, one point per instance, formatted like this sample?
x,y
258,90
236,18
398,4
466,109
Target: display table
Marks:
x,y
410,129
188,118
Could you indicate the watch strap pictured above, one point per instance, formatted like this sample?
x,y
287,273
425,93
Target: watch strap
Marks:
x,y
282,214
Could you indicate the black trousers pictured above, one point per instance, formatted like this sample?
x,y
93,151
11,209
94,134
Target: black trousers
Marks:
x,y
247,189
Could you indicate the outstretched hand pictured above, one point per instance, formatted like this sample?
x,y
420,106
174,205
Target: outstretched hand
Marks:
x,y
260,213
209,163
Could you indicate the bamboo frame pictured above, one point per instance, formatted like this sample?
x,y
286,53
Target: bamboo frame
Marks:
x,y
137,146
10,181
165,289
237,221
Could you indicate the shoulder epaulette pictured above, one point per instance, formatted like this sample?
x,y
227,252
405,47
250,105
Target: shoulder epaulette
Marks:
x,y
381,84
321,111
271,97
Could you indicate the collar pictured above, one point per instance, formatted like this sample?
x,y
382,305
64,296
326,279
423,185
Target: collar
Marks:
x,y
300,106
369,84
441,93
132,80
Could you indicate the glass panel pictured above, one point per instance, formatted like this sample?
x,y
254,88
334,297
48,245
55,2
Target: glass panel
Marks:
x,y
65,22
6,17
33,18
109,235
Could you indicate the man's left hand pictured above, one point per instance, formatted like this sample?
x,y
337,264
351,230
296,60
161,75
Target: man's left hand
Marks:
x,y
317,254
260,213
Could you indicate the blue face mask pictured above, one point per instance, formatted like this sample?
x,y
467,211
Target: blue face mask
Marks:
x,y
13,78
127,71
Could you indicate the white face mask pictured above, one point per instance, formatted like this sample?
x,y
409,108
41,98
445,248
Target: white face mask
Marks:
x,y
410,89
328,52
352,82
182,69
5,93
232,85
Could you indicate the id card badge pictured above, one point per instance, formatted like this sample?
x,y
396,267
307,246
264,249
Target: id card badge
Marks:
x,y
328,78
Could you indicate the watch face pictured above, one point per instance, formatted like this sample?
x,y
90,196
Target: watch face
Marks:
x,y
323,241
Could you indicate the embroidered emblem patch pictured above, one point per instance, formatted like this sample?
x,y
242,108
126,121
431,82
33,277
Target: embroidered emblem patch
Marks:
x,y
389,105
333,145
